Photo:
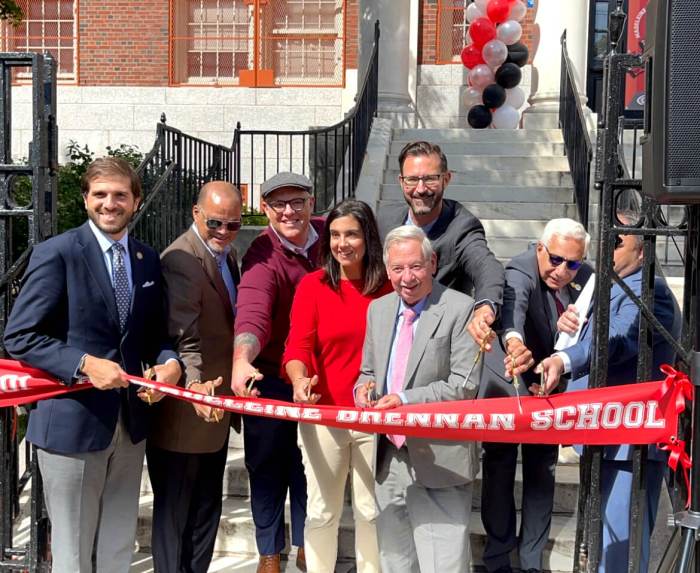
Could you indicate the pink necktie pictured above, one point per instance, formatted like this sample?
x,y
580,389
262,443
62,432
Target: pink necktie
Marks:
x,y
403,349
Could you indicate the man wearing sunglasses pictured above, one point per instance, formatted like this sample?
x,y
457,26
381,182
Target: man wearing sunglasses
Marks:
x,y
188,444
539,287
623,351
272,268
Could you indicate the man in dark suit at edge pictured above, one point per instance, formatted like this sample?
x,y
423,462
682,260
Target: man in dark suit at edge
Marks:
x,y
92,306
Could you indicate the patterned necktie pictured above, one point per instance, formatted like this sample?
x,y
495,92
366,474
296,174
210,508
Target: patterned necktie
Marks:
x,y
403,349
122,292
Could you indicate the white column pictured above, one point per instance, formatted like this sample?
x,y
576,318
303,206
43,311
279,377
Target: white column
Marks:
x,y
395,50
552,17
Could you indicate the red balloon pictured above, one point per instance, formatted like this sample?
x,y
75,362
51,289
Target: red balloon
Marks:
x,y
482,30
471,56
498,10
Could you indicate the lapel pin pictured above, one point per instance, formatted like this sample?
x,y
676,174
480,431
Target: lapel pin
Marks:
x,y
575,286
139,256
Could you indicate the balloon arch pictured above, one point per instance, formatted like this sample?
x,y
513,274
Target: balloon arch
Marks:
x,y
494,56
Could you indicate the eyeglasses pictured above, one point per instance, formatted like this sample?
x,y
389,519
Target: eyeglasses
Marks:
x,y
279,206
431,181
214,224
618,241
556,260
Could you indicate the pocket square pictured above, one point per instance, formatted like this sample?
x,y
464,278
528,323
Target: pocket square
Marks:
x,y
147,284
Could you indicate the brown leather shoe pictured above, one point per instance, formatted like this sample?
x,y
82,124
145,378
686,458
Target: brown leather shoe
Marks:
x,y
301,560
269,564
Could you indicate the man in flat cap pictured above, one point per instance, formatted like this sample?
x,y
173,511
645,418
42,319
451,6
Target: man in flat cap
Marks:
x,y
272,267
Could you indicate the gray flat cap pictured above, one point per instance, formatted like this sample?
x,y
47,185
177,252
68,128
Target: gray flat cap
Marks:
x,y
286,179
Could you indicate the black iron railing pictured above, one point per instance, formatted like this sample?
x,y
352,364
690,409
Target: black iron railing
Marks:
x,y
331,156
172,174
577,141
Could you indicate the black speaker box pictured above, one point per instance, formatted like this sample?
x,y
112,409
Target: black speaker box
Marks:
x,y
671,140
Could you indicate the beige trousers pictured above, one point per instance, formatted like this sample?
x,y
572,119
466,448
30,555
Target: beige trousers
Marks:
x,y
329,454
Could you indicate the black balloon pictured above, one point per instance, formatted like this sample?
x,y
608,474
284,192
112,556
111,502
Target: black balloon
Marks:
x,y
508,76
494,96
518,54
479,117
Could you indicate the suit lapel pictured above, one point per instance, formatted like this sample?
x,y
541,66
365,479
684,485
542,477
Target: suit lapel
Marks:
x,y
383,343
95,264
138,276
211,270
427,323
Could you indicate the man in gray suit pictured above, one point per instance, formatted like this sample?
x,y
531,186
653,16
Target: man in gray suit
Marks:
x,y
417,350
540,283
464,261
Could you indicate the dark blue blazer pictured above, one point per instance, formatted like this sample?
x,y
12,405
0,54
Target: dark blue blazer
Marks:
x,y
623,344
66,308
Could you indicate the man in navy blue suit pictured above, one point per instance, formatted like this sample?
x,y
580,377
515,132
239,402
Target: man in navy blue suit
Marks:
x,y
92,307
623,350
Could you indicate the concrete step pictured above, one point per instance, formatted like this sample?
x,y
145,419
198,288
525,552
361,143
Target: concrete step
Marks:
x,y
511,210
442,136
502,148
540,121
497,229
236,484
497,162
493,193
477,175
236,534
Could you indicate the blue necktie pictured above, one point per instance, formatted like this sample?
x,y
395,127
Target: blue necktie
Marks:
x,y
227,278
122,292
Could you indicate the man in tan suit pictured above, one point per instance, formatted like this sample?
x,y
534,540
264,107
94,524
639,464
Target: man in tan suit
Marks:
x,y
188,444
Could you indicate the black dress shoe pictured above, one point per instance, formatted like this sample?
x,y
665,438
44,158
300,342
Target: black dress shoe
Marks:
x,y
531,571
504,569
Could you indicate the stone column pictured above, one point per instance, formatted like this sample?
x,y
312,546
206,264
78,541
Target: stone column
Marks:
x,y
552,17
395,50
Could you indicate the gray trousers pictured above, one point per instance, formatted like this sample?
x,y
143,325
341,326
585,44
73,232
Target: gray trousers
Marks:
x,y
92,500
420,529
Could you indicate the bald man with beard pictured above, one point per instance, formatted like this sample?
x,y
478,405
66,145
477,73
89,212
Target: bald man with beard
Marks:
x,y
188,444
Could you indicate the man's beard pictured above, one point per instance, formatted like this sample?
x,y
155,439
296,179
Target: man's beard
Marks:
x,y
427,206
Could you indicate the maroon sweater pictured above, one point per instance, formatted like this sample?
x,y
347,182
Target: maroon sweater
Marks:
x,y
270,277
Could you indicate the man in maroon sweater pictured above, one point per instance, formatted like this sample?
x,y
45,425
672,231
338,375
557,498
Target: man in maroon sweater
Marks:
x,y
272,267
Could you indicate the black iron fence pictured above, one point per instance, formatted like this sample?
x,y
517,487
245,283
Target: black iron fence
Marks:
x,y
24,220
172,174
577,141
330,156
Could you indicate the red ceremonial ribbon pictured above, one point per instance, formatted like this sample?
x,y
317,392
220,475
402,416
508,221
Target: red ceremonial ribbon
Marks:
x,y
643,413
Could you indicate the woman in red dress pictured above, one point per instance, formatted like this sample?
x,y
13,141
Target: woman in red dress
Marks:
x,y
322,360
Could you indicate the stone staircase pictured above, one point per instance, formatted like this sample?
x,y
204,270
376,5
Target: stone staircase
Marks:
x,y
235,545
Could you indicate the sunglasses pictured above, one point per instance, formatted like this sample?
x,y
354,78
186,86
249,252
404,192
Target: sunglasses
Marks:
x,y
556,260
618,241
214,224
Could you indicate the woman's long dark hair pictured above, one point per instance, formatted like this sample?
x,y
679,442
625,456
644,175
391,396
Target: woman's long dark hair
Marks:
x,y
374,271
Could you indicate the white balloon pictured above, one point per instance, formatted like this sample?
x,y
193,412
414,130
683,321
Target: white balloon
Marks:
x,y
509,32
481,76
473,13
481,5
494,53
518,11
515,97
472,96
506,117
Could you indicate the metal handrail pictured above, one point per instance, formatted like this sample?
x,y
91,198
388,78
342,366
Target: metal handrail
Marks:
x,y
577,140
331,156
